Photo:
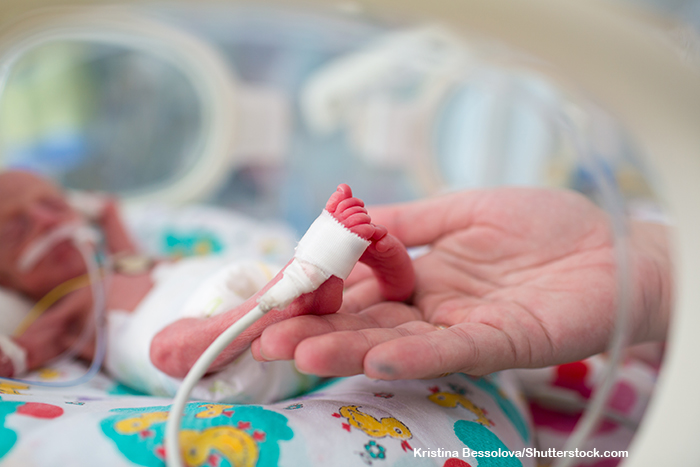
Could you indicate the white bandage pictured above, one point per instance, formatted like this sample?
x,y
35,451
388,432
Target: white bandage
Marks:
x,y
327,249
16,354
331,246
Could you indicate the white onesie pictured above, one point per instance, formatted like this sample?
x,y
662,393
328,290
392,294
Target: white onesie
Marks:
x,y
198,287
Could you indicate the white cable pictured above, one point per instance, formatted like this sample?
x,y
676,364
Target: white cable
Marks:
x,y
172,428
327,248
298,278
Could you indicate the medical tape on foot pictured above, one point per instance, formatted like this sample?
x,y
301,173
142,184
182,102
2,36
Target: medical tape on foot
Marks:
x,y
16,354
331,246
327,249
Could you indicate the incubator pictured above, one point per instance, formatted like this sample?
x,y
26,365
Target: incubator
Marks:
x,y
263,110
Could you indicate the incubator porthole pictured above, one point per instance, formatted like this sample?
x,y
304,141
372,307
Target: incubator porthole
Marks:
x,y
96,116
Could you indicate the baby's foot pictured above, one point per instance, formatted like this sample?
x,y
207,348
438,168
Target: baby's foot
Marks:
x,y
386,255
175,349
351,213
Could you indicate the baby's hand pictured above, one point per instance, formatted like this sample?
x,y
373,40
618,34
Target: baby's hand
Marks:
x,y
103,210
57,329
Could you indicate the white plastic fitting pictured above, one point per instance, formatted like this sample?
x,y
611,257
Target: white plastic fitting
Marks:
x,y
327,249
16,354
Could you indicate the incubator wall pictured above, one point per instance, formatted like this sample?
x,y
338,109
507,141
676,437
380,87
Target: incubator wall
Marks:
x,y
398,111
298,101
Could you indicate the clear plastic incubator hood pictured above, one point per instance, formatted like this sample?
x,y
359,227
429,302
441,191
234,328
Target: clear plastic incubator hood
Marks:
x,y
247,106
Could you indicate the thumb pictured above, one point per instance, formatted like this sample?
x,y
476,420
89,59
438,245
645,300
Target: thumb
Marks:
x,y
422,222
472,348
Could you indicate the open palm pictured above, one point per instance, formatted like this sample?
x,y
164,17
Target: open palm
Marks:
x,y
513,278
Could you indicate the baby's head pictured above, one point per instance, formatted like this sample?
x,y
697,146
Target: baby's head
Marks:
x,y
31,208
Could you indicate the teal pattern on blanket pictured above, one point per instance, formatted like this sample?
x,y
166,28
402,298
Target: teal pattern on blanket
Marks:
x,y
479,438
181,244
8,437
121,390
212,435
508,408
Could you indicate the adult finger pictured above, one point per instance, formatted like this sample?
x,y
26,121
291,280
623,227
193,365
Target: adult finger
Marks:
x,y
361,296
343,353
423,222
473,348
279,341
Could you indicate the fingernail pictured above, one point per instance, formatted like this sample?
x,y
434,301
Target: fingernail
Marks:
x,y
300,370
385,369
263,357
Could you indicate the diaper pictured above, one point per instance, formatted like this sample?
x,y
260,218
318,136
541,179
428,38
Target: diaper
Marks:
x,y
198,287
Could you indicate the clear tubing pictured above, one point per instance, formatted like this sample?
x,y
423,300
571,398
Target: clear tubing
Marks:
x,y
99,301
620,336
88,332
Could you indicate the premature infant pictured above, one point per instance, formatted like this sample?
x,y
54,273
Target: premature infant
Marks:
x,y
160,321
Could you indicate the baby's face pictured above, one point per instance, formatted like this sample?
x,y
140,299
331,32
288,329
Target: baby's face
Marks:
x,y
29,208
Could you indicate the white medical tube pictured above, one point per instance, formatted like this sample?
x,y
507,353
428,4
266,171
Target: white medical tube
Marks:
x,y
199,369
327,248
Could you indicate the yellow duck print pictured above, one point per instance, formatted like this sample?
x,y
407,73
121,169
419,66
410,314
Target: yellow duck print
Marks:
x,y
132,425
12,388
387,426
236,446
214,410
48,373
451,400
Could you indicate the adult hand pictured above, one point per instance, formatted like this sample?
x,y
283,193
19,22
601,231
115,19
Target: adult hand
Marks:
x,y
520,277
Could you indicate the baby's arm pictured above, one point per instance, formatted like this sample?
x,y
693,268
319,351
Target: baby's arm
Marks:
x,y
58,328
53,332
117,237
103,210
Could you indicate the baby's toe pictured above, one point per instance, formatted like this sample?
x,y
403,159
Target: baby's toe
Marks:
x,y
343,192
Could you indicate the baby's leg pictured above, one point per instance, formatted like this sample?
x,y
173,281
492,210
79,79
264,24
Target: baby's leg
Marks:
x,y
175,349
